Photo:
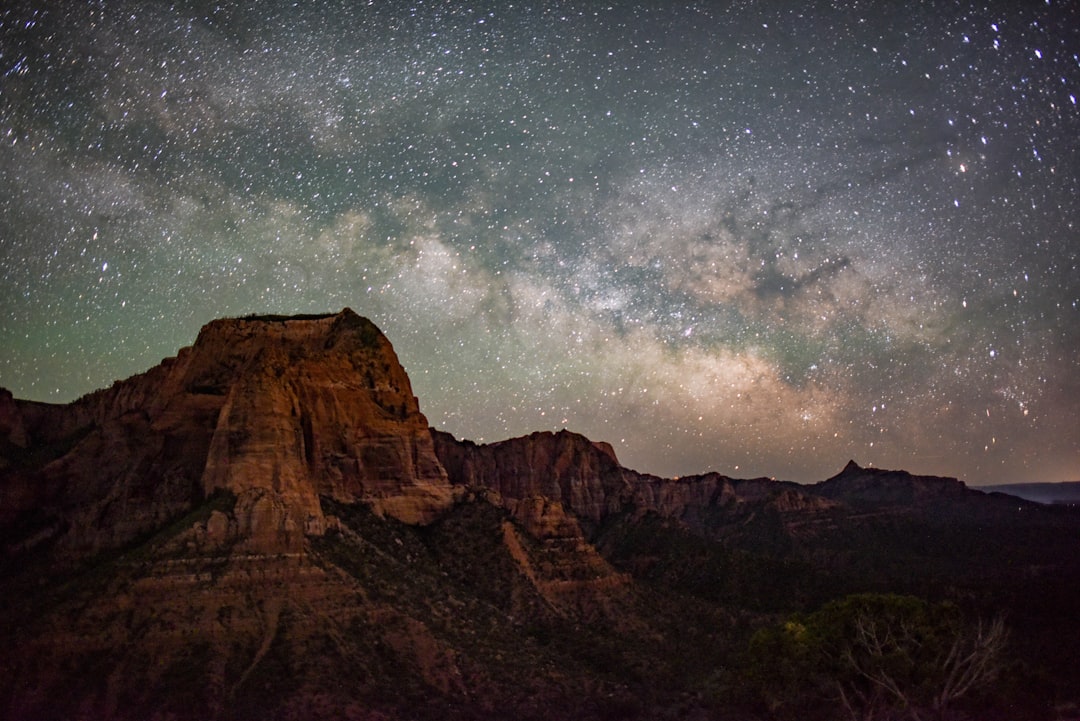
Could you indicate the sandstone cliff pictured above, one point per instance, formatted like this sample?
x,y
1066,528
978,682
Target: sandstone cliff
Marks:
x,y
584,477
277,411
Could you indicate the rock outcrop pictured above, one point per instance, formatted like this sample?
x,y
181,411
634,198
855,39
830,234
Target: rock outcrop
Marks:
x,y
880,488
572,473
563,468
277,411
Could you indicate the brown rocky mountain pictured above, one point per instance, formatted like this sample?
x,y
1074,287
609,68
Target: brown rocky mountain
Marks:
x,y
265,527
276,411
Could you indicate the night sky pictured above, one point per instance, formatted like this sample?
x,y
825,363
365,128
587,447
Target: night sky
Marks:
x,y
759,238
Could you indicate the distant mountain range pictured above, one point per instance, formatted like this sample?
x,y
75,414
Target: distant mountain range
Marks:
x,y
1067,492
266,527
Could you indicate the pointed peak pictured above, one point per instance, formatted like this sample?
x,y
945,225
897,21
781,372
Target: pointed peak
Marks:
x,y
348,316
851,467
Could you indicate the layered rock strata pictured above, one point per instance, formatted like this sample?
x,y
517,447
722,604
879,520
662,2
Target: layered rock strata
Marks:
x,y
277,411
572,474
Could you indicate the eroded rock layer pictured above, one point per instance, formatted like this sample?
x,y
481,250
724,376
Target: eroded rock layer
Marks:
x,y
277,411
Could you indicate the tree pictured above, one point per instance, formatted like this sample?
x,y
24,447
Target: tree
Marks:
x,y
879,657
900,654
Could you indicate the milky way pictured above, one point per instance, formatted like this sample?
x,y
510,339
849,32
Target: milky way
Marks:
x,y
757,238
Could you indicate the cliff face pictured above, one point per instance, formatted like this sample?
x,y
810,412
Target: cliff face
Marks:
x,y
314,408
584,478
562,468
276,411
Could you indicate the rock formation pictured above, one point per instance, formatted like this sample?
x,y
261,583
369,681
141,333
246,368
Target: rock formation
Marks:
x,y
283,411
276,411
585,478
876,487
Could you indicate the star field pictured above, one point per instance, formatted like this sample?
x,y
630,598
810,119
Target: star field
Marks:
x,y
757,237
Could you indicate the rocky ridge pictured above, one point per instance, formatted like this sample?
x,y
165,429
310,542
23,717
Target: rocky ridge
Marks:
x,y
283,411
879,487
583,479
280,412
